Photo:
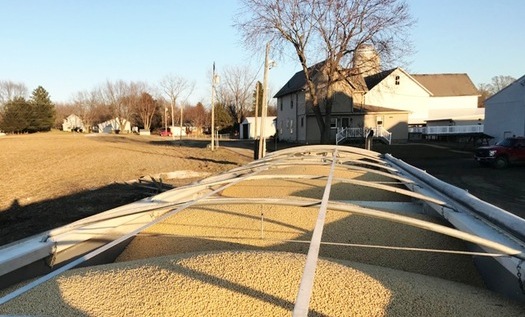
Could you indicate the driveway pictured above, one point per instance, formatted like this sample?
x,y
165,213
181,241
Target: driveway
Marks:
x,y
504,188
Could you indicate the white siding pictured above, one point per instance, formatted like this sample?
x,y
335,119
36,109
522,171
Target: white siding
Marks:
x,y
505,111
269,127
287,111
406,95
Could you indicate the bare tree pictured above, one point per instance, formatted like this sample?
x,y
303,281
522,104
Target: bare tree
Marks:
x,y
485,91
134,99
238,84
88,105
198,116
146,108
497,84
500,82
328,30
174,88
10,90
115,94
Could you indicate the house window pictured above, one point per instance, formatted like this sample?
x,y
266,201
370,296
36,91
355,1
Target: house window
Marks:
x,y
291,103
297,99
333,123
281,104
291,126
397,80
302,122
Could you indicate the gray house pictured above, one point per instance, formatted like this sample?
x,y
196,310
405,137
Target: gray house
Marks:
x,y
296,121
505,111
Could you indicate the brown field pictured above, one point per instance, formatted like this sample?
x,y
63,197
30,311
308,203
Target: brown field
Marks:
x,y
51,179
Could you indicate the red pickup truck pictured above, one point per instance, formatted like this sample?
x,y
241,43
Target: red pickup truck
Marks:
x,y
503,153
165,133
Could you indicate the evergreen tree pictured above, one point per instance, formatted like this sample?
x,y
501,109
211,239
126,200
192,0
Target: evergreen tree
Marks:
x,y
17,116
43,111
223,118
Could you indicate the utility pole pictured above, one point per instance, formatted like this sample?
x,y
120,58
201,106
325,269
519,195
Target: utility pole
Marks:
x,y
213,108
256,107
262,142
180,132
172,119
166,120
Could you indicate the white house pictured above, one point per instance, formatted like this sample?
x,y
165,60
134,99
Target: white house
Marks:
x,y
110,126
505,111
176,130
427,97
73,122
247,130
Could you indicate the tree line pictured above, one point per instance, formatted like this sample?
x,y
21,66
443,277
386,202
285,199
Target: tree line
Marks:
x,y
21,115
142,105
497,83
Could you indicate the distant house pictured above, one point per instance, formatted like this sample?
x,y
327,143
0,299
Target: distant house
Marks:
x,y
114,126
73,123
176,130
505,111
450,98
247,130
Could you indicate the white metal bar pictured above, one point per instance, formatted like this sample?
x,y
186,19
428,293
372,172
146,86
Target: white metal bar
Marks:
x,y
302,301
509,247
379,186
112,244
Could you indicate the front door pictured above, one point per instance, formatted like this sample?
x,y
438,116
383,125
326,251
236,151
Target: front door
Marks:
x,y
379,121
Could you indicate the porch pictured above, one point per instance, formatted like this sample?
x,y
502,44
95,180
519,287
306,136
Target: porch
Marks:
x,y
472,133
379,133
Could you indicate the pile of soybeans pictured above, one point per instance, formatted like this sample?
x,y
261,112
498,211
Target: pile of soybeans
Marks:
x,y
248,260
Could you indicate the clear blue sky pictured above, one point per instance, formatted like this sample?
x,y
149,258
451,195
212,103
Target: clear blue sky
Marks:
x,y
70,46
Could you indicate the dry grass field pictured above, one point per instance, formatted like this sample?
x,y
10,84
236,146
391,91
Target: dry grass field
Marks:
x,y
51,179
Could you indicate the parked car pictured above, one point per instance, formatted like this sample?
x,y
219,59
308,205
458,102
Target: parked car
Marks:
x,y
503,153
165,133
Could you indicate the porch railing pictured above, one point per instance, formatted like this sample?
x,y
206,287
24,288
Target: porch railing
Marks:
x,y
453,129
353,133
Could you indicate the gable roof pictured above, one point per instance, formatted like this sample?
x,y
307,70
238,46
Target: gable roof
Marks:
x,y
438,85
373,109
442,85
372,80
298,81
